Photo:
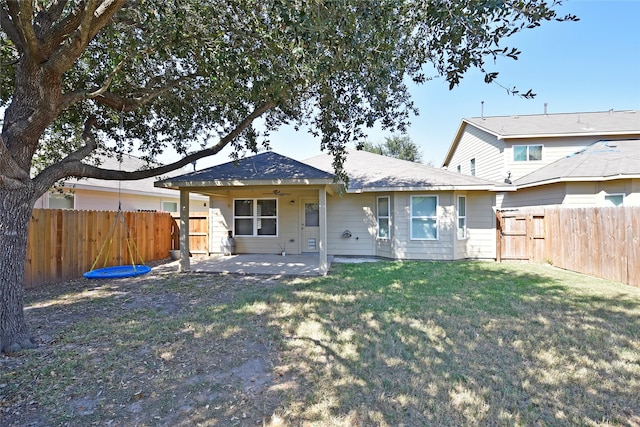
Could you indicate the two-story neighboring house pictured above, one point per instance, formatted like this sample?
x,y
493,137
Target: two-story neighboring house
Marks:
x,y
571,159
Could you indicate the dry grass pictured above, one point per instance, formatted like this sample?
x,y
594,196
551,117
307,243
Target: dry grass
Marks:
x,y
386,344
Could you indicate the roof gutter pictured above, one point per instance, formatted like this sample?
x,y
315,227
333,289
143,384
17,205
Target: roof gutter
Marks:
x,y
577,179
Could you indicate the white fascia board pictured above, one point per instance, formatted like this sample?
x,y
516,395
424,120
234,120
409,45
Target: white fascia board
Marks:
x,y
578,179
193,185
563,135
423,188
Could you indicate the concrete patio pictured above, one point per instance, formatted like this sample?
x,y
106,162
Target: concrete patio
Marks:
x,y
267,264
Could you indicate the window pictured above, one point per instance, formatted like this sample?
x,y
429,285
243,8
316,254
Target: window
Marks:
x,y
462,217
384,217
459,169
424,219
170,206
312,214
255,217
473,167
61,200
613,199
527,153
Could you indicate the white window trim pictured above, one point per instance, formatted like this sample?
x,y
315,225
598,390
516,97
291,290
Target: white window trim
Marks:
x,y
177,203
513,157
255,218
604,197
473,167
411,217
378,216
65,194
459,217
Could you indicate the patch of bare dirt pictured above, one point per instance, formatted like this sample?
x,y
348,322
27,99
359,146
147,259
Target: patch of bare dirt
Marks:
x,y
240,379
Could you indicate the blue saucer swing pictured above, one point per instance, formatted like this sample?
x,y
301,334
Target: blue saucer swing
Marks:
x,y
118,271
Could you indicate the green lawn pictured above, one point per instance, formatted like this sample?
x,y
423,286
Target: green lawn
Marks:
x,y
389,343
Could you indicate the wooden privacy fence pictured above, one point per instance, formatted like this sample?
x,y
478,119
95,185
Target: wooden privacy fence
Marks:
x,y
602,242
63,244
198,232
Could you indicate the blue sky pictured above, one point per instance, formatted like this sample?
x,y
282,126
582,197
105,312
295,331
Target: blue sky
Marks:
x,y
589,65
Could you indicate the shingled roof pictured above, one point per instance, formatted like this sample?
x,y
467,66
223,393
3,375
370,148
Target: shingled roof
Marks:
x,y
263,168
564,124
602,160
373,172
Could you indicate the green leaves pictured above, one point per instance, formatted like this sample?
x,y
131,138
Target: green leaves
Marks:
x,y
185,73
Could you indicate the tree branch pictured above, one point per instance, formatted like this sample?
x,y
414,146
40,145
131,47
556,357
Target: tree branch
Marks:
x,y
111,100
61,29
72,166
21,15
8,26
46,17
90,20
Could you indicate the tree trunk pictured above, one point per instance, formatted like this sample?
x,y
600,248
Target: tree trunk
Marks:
x,y
15,214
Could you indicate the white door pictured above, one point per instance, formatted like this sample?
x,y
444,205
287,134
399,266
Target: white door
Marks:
x,y
310,233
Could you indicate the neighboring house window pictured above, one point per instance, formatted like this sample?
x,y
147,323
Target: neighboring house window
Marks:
x,y
424,218
61,200
473,167
462,217
255,217
384,217
459,169
527,153
613,199
170,206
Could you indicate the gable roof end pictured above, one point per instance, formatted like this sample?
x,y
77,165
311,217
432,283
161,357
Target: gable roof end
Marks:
x,y
599,124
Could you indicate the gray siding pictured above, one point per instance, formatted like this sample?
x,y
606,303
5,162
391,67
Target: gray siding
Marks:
x,y
481,223
289,222
572,194
548,195
485,148
405,248
552,150
356,213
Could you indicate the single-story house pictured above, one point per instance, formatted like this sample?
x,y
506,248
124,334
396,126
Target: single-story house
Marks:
x,y
390,208
98,194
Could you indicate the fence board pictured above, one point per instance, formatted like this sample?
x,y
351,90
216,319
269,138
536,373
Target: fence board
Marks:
x,y
198,232
602,242
63,244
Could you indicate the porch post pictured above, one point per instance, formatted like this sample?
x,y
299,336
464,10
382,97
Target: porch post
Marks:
x,y
322,243
184,231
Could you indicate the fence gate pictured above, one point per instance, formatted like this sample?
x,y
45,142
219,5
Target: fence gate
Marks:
x,y
520,236
198,232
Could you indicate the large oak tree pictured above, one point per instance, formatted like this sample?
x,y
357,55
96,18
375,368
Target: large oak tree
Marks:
x,y
192,74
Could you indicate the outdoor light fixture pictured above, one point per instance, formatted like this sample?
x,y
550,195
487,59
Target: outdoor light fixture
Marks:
x,y
292,202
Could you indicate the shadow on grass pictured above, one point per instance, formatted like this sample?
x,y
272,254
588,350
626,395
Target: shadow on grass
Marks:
x,y
413,343
460,344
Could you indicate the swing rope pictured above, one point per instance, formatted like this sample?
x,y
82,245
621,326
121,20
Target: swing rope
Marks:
x,y
130,241
108,243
